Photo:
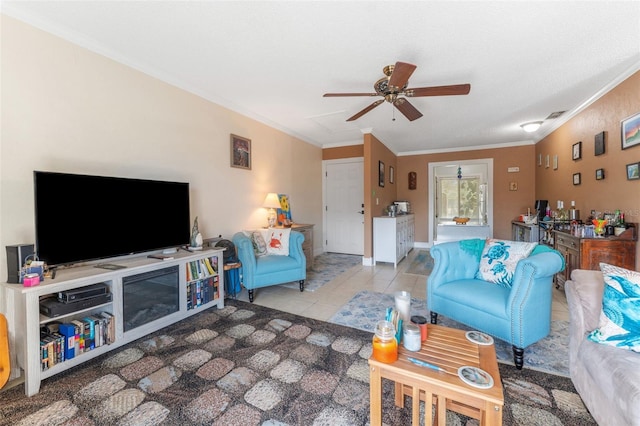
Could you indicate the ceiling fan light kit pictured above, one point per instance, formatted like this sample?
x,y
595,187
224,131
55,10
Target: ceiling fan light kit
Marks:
x,y
394,86
531,126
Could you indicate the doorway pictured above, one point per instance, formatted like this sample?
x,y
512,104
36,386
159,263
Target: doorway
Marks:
x,y
460,189
343,190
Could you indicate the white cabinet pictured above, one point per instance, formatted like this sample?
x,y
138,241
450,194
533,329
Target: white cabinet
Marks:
x,y
21,305
393,238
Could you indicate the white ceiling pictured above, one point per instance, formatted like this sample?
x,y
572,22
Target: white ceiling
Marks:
x,y
274,60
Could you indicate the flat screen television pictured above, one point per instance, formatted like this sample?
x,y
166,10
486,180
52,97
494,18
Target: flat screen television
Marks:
x,y
80,218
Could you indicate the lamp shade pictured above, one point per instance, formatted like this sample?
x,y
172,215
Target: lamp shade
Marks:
x,y
271,201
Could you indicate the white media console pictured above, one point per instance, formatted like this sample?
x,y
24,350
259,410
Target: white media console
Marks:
x,y
21,306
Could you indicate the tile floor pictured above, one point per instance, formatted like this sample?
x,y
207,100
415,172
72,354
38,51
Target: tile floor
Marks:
x,y
327,300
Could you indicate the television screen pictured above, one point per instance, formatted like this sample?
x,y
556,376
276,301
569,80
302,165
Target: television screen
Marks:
x,y
80,218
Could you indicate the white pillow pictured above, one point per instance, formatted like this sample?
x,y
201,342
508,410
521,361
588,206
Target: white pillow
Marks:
x,y
500,258
620,313
278,241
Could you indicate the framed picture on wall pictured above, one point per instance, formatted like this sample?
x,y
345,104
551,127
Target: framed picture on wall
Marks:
x,y
240,152
633,171
413,180
599,144
576,153
630,128
599,174
576,178
381,174
391,174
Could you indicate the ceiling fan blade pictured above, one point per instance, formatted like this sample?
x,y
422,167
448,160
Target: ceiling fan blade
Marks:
x,y
456,89
407,109
366,110
400,75
330,95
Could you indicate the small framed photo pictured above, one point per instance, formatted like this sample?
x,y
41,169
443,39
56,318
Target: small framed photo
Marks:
x,y
599,144
630,128
539,160
391,174
633,171
576,154
413,180
555,162
240,152
381,174
599,174
546,161
576,178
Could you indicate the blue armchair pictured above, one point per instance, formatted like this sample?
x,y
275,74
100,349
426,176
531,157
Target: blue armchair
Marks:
x,y
519,314
264,271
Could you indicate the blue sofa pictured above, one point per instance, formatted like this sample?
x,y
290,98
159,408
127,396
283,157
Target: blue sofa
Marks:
x,y
519,314
264,271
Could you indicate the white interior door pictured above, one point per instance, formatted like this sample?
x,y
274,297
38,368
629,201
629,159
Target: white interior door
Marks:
x,y
344,206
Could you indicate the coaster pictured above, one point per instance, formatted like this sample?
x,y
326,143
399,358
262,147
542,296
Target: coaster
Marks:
x,y
479,337
476,377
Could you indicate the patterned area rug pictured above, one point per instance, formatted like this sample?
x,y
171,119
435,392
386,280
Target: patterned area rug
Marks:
x,y
550,355
250,365
422,264
326,267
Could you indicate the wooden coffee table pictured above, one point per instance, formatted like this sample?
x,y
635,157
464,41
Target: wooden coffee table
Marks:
x,y
450,349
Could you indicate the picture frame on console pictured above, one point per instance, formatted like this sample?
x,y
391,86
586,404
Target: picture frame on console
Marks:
x,y
240,152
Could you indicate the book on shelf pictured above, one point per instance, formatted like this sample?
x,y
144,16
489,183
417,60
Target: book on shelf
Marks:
x,y
76,337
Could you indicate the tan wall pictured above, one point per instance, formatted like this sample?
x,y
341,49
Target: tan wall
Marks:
x,y
350,151
507,204
376,197
67,109
615,191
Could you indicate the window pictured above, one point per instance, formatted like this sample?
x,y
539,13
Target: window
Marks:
x,y
460,198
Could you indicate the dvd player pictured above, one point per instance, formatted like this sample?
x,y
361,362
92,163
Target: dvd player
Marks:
x,y
81,293
52,307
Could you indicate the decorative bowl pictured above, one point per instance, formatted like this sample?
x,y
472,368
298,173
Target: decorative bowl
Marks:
x,y
461,220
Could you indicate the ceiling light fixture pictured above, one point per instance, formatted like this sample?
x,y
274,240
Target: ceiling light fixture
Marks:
x,y
531,126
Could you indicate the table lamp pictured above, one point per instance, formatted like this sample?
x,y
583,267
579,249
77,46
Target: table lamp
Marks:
x,y
271,202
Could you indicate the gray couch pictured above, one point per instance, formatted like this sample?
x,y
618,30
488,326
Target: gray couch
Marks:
x,y
607,378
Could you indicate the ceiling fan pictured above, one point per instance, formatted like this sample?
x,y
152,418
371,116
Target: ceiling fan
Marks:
x,y
395,84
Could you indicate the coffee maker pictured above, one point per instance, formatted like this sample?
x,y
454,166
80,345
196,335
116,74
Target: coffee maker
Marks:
x,y
541,208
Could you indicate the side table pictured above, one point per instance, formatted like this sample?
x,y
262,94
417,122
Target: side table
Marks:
x,y
447,348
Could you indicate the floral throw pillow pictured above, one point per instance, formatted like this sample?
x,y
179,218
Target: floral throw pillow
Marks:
x,y
278,241
620,316
500,258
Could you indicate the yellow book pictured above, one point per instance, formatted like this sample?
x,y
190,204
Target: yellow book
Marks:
x,y
209,267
